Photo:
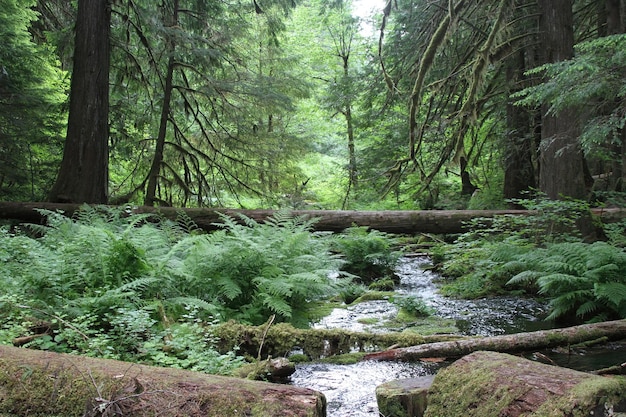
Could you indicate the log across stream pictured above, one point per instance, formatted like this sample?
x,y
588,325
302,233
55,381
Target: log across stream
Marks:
x,y
350,389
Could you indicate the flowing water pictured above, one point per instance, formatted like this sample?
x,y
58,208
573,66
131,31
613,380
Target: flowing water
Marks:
x,y
350,389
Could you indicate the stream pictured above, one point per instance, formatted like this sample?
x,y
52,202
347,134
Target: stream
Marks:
x,y
350,389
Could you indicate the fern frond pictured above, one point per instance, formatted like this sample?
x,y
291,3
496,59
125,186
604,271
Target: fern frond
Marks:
x,y
587,308
276,304
525,277
613,292
555,284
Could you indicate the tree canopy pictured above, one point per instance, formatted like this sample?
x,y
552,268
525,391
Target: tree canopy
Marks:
x,y
421,105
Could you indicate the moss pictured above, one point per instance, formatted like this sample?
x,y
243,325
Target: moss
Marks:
x,y
489,387
368,320
451,395
66,385
345,359
597,393
374,295
25,390
386,284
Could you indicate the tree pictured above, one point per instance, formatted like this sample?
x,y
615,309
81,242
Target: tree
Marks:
x,y
31,100
561,166
342,28
83,176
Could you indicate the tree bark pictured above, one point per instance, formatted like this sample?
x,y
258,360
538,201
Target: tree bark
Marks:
x,y
519,171
83,175
400,222
561,167
71,385
157,160
521,342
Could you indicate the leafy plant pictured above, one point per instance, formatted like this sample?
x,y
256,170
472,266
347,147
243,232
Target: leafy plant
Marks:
x,y
111,284
414,306
368,254
584,281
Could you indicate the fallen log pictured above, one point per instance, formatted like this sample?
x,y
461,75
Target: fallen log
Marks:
x,y
390,221
282,338
39,383
520,342
490,384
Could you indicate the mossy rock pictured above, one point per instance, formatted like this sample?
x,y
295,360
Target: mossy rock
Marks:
x,y
404,397
491,384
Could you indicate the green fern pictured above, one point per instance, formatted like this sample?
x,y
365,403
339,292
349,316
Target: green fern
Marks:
x,y
587,281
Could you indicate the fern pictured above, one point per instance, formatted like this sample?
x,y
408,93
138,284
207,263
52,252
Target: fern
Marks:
x,y
587,281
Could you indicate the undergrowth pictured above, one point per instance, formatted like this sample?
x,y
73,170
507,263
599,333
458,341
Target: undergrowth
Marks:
x,y
143,288
541,254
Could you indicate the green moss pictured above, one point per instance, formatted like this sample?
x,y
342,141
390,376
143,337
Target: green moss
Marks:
x,y
374,295
593,393
368,320
345,359
451,395
386,284
49,391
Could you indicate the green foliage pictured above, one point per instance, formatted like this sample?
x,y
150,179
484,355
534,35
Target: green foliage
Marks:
x,y
351,292
479,263
413,306
144,288
584,281
31,107
480,269
549,221
259,269
593,82
368,254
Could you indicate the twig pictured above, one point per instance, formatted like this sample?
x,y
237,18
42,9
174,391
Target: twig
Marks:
x,y
267,328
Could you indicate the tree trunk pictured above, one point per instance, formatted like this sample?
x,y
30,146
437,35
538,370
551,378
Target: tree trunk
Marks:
x,y
401,221
519,172
157,160
83,175
521,342
44,383
561,159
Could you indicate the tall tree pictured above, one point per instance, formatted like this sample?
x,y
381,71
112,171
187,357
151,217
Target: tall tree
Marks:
x,y
561,166
83,176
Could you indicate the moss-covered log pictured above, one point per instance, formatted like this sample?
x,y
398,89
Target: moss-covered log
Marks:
x,y
36,383
491,384
520,342
283,338
396,221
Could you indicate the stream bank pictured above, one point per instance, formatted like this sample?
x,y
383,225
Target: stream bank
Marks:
x,y
350,389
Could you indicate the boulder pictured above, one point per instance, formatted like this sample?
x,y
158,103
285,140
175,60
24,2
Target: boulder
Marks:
x,y
38,383
491,384
403,397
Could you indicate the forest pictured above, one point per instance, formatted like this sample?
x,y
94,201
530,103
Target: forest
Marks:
x,y
408,105
412,105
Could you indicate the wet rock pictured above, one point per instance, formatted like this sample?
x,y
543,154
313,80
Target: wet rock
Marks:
x,y
404,397
491,384
272,370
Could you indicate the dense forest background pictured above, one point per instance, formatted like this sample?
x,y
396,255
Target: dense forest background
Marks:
x,y
313,103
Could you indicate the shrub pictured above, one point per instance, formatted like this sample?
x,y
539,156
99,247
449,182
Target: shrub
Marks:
x,y
367,254
414,306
